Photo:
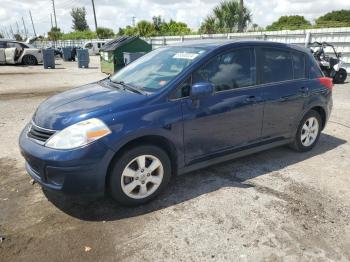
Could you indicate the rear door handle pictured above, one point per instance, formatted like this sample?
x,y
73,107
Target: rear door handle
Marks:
x,y
304,90
251,99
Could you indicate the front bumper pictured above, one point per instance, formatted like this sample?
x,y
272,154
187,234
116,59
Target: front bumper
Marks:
x,y
74,172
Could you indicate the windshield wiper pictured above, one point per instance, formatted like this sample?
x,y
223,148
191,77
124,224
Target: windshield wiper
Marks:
x,y
129,87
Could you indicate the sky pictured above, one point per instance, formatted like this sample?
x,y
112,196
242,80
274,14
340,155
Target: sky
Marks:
x,y
119,13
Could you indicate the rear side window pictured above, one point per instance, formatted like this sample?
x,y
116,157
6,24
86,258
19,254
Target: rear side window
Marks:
x,y
231,70
298,65
277,66
315,71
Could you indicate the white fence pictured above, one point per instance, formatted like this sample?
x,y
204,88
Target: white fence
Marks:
x,y
339,37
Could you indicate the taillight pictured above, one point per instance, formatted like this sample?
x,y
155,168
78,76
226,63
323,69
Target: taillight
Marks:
x,y
326,81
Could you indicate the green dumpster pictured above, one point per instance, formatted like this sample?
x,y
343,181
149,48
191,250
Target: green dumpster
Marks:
x,y
112,53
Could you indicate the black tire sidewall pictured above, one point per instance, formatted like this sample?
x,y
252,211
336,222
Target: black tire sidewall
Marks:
x,y
338,80
114,184
25,62
298,145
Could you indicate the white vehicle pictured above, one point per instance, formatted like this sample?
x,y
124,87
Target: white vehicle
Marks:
x,y
94,47
14,52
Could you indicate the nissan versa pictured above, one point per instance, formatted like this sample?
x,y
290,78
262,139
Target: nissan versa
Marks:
x,y
176,109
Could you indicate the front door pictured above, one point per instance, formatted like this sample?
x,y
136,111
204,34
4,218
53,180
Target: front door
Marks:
x,y
232,116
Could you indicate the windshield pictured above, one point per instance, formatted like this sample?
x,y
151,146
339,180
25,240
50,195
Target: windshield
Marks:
x,y
156,69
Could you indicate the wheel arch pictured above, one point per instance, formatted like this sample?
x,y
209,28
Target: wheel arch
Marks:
x,y
156,140
322,112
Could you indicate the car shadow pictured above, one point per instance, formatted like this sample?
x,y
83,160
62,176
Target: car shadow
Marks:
x,y
234,173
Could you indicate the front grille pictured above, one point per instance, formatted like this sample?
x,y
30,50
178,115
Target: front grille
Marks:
x,y
40,134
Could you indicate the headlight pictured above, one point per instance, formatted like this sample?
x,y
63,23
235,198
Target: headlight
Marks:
x,y
79,134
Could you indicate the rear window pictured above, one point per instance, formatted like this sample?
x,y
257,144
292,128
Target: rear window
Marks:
x,y
298,65
277,65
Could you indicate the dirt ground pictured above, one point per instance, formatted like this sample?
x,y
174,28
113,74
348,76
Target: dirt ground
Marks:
x,y
277,205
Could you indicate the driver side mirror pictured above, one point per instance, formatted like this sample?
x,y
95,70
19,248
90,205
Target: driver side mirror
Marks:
x,y
201,90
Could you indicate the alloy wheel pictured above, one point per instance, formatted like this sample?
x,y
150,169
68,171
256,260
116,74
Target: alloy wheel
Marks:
x,y
309,131
142,176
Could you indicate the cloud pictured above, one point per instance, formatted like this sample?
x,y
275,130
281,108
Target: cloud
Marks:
x,y
115,14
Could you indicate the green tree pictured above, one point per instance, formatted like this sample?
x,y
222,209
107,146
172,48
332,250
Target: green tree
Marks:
x,y
18,37
54,34
174,28
130,31
79,19
104,33
157,23
291,22
225,18
145,28
339,18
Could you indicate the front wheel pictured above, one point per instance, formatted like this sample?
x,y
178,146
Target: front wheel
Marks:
x,y
308,132
29,60
139,174
340,76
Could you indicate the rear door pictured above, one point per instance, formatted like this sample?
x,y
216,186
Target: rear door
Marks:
x,y
284,89
232,117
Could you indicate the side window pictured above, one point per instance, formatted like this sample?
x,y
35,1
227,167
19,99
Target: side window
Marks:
x,y
228,71
298,65
2,44
314,71
183,90
98,45
277,66
88,45
12,44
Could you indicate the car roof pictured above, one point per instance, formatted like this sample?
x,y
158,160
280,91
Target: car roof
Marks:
x,y
217,43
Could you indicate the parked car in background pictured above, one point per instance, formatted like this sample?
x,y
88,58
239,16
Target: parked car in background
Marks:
x,y
94,46
174,110
14,52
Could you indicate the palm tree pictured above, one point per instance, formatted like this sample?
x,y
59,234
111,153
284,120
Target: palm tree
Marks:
x,y
228,18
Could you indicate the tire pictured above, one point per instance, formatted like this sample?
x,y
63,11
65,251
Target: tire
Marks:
x,y
301,139
131,183
29,60
340,76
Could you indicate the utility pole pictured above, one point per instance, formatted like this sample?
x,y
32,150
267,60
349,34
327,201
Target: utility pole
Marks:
x,y
25,28
51,20
31,18
240,22
93,8
54,12
134,21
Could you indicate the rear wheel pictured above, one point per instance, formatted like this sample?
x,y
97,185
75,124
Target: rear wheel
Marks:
x,y
139,174
308,132
29,60
340,76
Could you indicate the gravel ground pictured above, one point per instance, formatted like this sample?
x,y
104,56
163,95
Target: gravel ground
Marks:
x,y
277,205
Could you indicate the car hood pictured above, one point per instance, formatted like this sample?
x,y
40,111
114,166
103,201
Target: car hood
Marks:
x,y
93,100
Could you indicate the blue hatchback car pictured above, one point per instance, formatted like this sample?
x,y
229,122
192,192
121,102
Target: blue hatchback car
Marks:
x,y
176,109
